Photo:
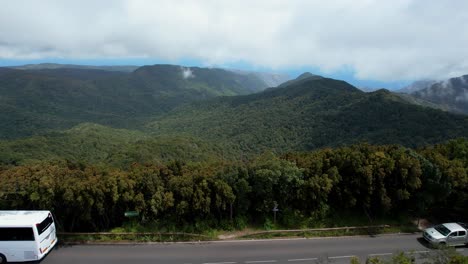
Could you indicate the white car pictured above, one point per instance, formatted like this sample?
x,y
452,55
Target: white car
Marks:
x,y
448,234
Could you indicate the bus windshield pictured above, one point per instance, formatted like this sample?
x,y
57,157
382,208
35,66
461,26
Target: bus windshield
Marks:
x,y
41,227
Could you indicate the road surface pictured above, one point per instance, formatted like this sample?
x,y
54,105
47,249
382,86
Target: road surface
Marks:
x,y
291,251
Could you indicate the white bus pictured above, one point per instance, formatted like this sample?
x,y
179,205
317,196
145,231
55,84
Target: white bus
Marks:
x,y
26,235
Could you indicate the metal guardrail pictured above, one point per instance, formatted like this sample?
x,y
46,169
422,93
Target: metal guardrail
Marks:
x,y
346,228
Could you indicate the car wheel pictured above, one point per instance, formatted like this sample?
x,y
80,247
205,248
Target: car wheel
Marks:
x,y
3,259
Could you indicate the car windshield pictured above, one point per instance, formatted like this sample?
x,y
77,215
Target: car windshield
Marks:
x,y
442,229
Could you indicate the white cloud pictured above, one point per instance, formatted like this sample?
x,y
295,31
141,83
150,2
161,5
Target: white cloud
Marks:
x,y
186,73
381,40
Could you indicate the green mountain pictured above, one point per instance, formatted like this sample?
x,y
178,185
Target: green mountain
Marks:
x,y
202,82
421,102
306,76
311,112
271,79
37,101
307,113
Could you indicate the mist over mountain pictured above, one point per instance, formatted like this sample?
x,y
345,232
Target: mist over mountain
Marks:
x,y
416,86
451,94
421,102
270,79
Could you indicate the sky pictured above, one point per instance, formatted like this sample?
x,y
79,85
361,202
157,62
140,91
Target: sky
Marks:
x,y
370,43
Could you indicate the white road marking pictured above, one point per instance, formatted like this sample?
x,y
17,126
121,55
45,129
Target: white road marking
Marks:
x,y
261,261
256,240
460,249
220,263
340,257
304,259
417,252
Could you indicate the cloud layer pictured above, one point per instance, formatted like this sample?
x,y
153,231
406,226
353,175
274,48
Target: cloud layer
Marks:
x,y
380,40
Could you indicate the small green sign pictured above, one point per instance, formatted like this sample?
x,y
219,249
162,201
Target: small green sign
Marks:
x,y
131,214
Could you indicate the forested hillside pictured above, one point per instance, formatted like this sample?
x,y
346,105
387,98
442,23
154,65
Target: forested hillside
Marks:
x,y
304,114
309,113
309,188
36,101
99,145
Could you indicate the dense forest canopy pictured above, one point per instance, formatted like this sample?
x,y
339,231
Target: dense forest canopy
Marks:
x,y
308,113
308,187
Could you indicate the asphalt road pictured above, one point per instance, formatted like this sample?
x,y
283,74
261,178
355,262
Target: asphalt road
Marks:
x,y
320,250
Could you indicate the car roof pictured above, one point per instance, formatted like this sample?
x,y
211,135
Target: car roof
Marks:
x,y
21,218
454,227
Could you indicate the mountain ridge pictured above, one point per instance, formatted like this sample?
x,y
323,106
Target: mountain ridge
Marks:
x,y
40,100
52,66
307,114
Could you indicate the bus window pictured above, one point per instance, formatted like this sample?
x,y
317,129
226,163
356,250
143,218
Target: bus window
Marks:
x,y
16,234
41,227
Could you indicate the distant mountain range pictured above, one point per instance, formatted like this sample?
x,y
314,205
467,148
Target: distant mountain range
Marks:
x,y
269,79
49,96
53,66
450,95
168,111
368,89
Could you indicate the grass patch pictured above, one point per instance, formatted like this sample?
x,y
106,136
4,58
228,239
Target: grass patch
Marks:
x,y
131,237
342,225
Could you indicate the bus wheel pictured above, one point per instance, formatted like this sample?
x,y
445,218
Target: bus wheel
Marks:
x,y
3,259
